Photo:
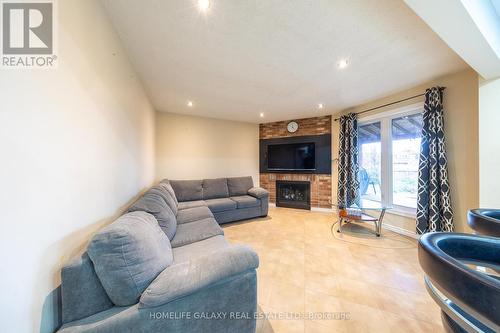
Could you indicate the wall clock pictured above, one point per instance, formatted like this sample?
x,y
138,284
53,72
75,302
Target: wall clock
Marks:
x,y
292,127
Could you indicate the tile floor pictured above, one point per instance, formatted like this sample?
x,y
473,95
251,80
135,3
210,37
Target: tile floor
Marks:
x,y
304,270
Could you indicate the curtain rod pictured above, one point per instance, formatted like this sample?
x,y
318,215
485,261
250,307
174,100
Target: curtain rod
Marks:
x,y
382,106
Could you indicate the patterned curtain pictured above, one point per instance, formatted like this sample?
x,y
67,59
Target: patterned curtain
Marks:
x,y
348,185
434,212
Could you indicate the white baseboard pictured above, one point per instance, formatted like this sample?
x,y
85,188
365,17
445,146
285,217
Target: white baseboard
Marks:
x,y
272,204
324,210
401,231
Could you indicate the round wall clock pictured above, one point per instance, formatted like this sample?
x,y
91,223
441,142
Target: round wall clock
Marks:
x,y
292,127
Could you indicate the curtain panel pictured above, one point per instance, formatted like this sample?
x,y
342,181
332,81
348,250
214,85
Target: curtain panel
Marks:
x,y
434,210
348,183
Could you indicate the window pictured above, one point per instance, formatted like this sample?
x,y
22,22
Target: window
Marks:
x,y
370,149
389,150
406,132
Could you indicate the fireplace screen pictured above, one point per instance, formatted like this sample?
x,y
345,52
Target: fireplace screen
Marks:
x,y
293,194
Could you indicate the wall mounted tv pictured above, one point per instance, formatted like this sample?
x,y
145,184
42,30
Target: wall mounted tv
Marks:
x,y
291,156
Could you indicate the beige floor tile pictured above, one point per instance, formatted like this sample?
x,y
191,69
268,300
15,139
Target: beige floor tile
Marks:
x,y
286,297
322,282
304,269
418,306
287,326
406,324
320,303
312,326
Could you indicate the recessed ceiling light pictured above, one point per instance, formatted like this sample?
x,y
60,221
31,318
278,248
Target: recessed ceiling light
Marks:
x,y
262,115
343,63
203,4
190,104
320,106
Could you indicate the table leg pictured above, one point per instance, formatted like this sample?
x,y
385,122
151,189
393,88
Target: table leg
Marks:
x,y
379,222
340,224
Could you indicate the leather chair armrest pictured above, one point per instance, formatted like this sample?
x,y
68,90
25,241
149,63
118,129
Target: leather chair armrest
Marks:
x,y
186,278
258,192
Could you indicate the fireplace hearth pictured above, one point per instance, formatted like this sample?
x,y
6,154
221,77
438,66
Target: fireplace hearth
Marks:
x,y
293,194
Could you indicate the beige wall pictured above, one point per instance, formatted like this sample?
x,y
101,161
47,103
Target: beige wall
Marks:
x,y
489,143
462,140
77,145
189,147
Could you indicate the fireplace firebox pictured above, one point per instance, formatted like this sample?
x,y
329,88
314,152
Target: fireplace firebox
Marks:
x,y
293,194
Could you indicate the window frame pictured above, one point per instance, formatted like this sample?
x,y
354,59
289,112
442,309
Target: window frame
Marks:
x,y
386,173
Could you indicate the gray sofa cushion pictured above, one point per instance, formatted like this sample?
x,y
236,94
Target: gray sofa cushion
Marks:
x,y
258,192
246,201
186,278
234,295
215,188
167,192
128,254
239,185
198,249
191,204
153,203
82,294
221,204
169,188
196,231
187,190
238,214
193,214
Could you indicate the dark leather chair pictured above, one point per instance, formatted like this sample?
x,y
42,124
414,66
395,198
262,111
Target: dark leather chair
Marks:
x,y
485,221
469,298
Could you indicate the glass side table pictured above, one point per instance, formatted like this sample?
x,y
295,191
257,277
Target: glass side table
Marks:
x,y
356,213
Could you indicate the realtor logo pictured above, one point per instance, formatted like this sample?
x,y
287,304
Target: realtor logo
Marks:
x,y
27,34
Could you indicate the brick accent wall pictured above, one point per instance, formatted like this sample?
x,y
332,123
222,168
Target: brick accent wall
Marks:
x,y
307,126
321,184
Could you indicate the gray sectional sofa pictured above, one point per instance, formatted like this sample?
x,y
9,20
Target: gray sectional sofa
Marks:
x,y
228,199
165,265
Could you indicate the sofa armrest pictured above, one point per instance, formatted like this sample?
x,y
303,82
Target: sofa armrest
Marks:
x,y
186,278
258,192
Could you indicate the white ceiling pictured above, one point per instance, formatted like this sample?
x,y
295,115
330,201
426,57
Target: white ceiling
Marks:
x,y
471,29
279,57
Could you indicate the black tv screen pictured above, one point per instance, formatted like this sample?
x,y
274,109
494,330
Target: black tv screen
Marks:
x,y
294,156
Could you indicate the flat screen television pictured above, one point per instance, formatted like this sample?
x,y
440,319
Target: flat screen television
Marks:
x,y
291,156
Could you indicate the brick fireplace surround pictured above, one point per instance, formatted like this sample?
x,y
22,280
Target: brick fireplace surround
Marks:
x,y
321,184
